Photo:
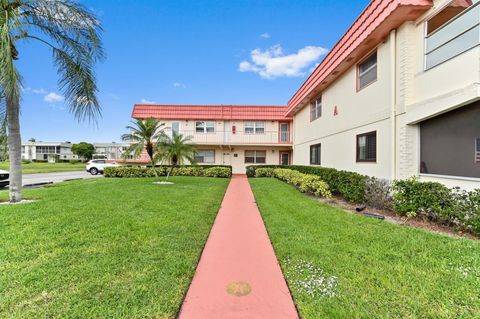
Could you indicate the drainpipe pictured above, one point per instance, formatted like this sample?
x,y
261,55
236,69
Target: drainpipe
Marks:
x,y
393,102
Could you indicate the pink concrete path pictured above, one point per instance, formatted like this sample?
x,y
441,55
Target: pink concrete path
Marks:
x,y
238,259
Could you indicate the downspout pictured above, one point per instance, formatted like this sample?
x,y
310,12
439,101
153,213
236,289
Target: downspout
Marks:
x,y
393,104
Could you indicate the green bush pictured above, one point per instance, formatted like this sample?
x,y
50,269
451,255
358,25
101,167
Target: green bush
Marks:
x,y
454,207
378,193
349,185
306,183
265,172
194,170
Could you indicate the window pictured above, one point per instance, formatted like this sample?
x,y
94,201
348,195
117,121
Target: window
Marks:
x,y
205,127
256,157
175,128
316,109
367,71
205,156
477,150
47,150
452,31
254,127
367,147
315,154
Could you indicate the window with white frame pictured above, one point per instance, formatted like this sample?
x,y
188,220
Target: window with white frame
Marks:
x,y
205,126
255,157
477,150
454,30
316,109
254,127
367,71
175,128
205,156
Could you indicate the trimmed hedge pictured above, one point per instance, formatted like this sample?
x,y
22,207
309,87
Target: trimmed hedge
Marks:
x,y
306,183
193,170
351,186
451,206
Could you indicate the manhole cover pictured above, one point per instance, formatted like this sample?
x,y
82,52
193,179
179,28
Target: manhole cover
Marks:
x,y
239,288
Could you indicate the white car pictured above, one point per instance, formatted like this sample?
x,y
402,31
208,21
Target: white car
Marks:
x,y
4,178
97,166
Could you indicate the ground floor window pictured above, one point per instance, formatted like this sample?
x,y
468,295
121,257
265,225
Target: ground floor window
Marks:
x,y
450,143
205,156
315,154
255,157
367,147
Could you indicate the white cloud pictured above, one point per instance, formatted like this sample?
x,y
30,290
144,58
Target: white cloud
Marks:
x,y
273,63
179,85
40,91
265,35
53,97
145,101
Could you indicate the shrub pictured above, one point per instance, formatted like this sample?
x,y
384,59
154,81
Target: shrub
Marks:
x,y
378,193
306,183
224,172
349,185
138,171
265,172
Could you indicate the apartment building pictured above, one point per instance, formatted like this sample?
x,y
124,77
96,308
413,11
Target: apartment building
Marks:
x,y
48,151
228,134
398,95
111,151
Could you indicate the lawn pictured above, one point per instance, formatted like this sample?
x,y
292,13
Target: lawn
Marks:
x,y
341,265
104,248
42,167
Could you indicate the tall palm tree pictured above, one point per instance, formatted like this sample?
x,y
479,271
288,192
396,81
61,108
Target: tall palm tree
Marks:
x,y
145,135
72,33
176,150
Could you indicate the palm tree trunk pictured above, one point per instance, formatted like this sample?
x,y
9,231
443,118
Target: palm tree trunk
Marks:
x,y
15,149
153,167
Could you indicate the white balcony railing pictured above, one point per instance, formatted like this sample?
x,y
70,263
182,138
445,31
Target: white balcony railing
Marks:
x,y
239,137
457,36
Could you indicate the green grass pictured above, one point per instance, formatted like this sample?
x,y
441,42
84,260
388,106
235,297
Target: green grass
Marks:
x,y
377,269
104,248
41,167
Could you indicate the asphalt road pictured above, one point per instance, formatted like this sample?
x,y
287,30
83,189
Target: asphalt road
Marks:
x,y
29,179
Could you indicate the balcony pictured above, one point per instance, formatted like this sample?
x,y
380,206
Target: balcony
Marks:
x,y
455,37
240,138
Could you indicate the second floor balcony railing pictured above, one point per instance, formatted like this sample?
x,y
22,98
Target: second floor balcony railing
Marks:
x,y
239,137
454,38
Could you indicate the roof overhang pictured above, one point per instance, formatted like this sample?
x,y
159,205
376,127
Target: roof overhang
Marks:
x,y
370,29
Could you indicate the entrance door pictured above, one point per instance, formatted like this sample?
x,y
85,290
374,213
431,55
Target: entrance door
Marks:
x,y
285,158
284,133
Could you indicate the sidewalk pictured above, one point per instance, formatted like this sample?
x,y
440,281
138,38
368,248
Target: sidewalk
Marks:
x,y
238,275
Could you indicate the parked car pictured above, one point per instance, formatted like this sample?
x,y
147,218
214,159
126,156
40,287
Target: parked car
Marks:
x,y
97,166
4,178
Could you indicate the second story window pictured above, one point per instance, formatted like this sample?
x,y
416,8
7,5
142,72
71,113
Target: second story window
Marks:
x,y
205,126
367,71
254,127
451,32
367,147
316,109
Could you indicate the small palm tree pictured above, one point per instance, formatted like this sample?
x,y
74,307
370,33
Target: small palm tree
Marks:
x,y
176,150
145,135
71,32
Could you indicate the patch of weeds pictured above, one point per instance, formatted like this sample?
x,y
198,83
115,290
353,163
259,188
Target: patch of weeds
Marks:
x,y
310,279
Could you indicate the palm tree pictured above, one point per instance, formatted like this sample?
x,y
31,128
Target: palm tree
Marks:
x,y
145,135
176,150
72,33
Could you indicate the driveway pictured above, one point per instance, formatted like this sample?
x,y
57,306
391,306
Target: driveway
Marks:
x,y
29,179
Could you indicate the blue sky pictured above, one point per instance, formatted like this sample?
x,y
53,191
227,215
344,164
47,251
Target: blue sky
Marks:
x,y
179,51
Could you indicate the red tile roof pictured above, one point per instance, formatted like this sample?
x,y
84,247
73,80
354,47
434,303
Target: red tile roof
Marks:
x,y
371,28
210,112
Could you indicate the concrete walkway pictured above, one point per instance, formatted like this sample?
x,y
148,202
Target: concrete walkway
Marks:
x,y
238,275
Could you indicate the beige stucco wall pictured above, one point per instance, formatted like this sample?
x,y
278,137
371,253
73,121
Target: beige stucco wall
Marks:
x,y
235,156
414,94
